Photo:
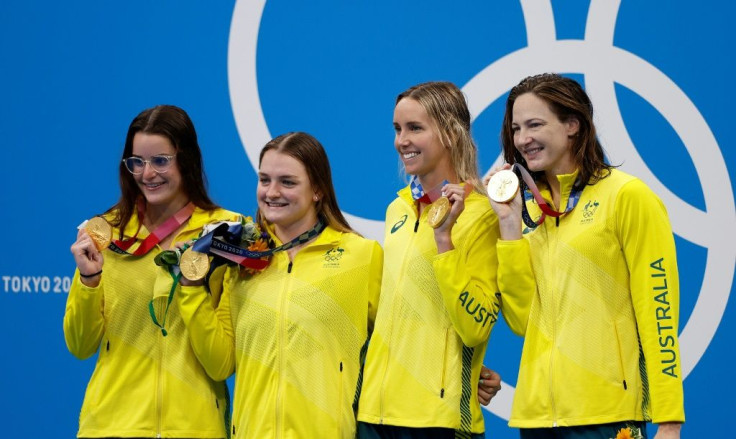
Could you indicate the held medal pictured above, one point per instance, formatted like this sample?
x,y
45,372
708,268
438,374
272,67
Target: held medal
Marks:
x,y
194,265
438,212
503,186
100,231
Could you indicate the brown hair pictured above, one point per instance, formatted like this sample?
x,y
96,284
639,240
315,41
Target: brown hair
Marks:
x,y
310,153
174,124
446,106
566,99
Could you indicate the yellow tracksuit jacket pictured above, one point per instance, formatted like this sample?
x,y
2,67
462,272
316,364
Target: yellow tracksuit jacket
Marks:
x,y
436,315
293,333
601,343
144,384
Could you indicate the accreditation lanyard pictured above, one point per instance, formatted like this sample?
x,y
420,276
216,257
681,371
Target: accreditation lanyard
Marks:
x,y
531,190
159,234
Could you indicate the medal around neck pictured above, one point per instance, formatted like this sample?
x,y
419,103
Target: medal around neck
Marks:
x,y
100,231
194,265
503,186
438,212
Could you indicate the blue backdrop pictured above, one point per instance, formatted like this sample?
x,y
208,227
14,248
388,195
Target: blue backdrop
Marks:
x,y
74,74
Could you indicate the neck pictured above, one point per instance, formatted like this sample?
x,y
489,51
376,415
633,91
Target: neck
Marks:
x,y
434,179
286,233
155,214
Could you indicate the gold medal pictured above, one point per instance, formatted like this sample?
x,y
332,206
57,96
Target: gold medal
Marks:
x,y
100,231
503,186
194,265
438,212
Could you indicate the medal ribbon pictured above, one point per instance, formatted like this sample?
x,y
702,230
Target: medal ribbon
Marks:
x,y
159,234
531,190
418,193
221,242
242,256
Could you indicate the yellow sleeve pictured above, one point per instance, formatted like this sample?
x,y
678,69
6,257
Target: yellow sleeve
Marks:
x,y
84,323
210,329
516,283
374,287
648,244
466,277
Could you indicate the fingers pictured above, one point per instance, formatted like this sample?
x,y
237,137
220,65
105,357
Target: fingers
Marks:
x,y
183,245
86,255
484,397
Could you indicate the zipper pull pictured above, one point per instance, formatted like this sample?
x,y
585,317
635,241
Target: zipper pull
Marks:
x,y
291,263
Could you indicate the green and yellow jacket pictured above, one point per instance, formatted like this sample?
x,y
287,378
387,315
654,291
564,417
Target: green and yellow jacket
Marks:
x,y
436,315
144,384
293,334
601,343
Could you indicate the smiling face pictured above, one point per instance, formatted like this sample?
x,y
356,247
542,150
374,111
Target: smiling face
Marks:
x,y
541,138
285,195
161,190
419,145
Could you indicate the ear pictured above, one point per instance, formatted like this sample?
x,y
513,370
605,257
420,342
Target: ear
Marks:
x,y
573,126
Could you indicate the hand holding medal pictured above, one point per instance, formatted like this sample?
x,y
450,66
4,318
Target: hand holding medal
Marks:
x,y
93,236
505,195
448,206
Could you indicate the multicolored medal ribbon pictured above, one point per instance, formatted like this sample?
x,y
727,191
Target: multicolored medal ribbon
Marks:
x,y
224,242
439,204
422,196
159,234
530,191
242,256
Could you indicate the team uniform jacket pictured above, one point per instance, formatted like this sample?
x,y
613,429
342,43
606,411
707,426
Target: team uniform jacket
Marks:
x,y
294,334
436,314
601,343
144,384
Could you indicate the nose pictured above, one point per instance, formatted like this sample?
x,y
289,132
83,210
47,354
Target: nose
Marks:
x,y
401,139
272,191
521,136
148,171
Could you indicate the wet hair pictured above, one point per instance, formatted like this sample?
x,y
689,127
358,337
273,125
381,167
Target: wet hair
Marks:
x,y
567,100
446,106
310,153
174,124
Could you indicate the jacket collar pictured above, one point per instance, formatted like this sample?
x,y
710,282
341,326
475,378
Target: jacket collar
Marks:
x,y
328,237
566,183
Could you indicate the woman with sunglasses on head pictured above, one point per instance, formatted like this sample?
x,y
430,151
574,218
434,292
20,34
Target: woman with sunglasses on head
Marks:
x,y
147,380
439,298
600,354
295,332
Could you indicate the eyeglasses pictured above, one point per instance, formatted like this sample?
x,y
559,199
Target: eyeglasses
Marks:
x,y
159,163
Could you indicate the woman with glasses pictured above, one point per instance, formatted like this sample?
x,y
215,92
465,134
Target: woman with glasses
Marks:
x,y
147,380
293,333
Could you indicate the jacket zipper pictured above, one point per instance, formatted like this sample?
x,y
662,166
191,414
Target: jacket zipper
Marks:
x,y
339,404
444,363
554,327
280,351
391,326
620,356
